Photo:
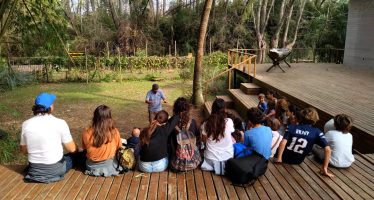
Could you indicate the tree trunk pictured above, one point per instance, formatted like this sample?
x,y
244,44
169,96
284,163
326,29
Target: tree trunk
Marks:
x,y
301,11
197,95
113,13
93,5
285,33
260,20
87,6
275,37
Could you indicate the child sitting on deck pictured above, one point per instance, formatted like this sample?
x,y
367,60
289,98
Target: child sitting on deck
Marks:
x,y
259,137
340,141
216,133
134,141
270,95
299,139
262,105
274,124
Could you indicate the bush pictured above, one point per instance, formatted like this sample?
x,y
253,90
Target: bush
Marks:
x,y
8,147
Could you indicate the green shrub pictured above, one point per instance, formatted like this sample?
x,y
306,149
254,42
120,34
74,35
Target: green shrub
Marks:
x,y
8,147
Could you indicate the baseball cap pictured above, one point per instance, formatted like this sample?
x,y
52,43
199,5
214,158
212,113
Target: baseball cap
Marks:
x,y
45,99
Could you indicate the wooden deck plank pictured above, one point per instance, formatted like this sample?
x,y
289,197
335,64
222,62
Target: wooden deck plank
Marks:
x,y
16,178
220,188
369,166
114,189
260,190
67,187
339,189
357,191
134,186
363,168
125,185
86,186
300,191
25,191
78,185
153,186
95,188
240,191
200,187
268,187
230,190
172,186
104,190
251,193
191,187
276,186
315,182
181,185
163,185
309,190
208,181
283,182
51,190
360,174
143,188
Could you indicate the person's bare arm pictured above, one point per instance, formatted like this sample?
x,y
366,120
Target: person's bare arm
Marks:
x,y
71,147
281,147
324,169
23,149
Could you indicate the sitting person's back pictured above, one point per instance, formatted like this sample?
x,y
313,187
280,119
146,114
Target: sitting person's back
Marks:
x,y
153,143
299,139
259,137
43,138
101,140
216,133
134,141
340,141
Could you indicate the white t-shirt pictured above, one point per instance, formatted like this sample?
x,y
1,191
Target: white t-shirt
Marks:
x,y
329,126
277,138
44,135
341,148
223,149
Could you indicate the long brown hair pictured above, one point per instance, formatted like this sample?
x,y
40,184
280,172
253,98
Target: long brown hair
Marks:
x,y
102,125
216,123
182,108
160,118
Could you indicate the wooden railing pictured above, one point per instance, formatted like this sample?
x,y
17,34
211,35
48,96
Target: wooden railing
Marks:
x,y
238,59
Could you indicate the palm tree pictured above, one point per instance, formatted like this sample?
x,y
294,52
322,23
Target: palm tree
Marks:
x,y
197,95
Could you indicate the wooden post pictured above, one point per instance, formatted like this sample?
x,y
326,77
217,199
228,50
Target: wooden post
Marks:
x,y
175,48
314,55
249,63
229,79
169,50
119,62
254,69
228,57
210,45
146,48
85,53
107,48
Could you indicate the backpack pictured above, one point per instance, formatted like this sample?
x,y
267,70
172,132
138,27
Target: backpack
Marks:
x,y
245,170
126,158
187,155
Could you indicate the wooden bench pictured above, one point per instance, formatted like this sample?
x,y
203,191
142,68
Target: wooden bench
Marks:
x,y
279,182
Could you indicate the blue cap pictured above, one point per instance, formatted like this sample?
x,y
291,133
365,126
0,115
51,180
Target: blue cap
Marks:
x,y
45,99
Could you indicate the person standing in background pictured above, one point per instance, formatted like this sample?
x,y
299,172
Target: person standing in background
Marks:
x,y
153,99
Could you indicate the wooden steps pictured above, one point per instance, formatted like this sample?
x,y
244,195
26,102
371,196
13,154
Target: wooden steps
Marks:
x,y
228,101
250,88
243,101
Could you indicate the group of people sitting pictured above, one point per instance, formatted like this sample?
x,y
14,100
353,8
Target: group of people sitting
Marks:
x,y
178,143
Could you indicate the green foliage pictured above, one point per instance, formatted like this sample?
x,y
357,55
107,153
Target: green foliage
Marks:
x,y
8,147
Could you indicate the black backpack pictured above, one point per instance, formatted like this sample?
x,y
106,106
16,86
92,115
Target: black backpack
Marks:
x,y
245,170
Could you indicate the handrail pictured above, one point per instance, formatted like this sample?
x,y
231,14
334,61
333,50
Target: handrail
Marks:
x,y
246,61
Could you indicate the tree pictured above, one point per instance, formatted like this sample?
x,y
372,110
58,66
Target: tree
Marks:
x,y
197,95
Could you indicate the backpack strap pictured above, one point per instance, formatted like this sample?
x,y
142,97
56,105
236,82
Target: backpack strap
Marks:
x,y
275,142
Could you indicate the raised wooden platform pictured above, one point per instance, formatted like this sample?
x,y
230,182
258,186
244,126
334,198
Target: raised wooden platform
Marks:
x,y
332,89
280,182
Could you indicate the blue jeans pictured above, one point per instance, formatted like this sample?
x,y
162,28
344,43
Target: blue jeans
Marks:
x,y
69,162
155,166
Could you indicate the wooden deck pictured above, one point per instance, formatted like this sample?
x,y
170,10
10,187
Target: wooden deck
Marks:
x,y
280,182
332,89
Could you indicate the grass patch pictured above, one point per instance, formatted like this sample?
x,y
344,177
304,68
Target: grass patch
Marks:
x,y
8,148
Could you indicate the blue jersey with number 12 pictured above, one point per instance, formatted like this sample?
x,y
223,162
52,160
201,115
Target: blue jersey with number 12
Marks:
x,y
300,140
